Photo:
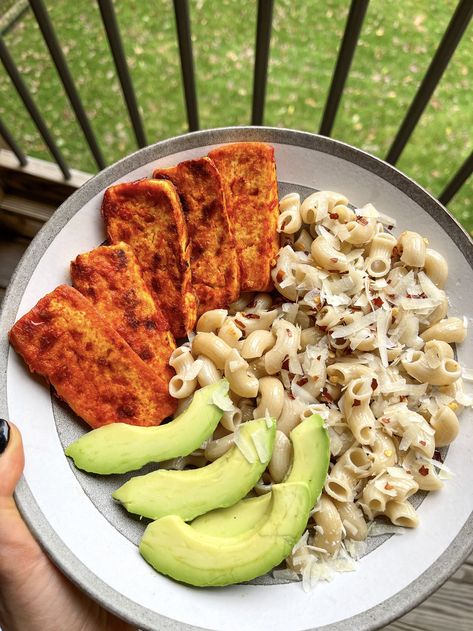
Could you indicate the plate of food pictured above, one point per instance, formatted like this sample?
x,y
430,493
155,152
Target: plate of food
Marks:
x,y
240,363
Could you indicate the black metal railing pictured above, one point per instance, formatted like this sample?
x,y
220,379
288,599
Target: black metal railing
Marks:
x,y
357,11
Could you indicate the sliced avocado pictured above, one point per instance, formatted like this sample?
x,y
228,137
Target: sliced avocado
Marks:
x,y
174,548
234,520
118,448
311,448
197,491
311,444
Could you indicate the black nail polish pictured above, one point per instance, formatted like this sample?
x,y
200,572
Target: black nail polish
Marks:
x,y
4,435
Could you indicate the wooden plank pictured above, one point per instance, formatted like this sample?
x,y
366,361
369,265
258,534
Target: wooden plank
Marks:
x,y
11,251
449,608
18,225
41,170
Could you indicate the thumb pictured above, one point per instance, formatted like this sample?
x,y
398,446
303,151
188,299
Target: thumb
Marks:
x,y
12,460
17,544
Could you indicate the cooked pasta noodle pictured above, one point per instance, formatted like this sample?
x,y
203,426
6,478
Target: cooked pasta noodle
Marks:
x,y
359,333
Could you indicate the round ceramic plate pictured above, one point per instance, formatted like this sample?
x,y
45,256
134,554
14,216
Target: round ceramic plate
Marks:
x,y
94,542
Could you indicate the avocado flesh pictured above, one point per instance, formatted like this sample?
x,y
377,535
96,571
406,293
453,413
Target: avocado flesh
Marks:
x,y
194,492
234,520
311,448
118,447
174,548
311,444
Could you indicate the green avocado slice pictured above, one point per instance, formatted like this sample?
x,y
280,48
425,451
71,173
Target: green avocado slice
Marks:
x,y
197,491
311,444
311,447
118,448
175,548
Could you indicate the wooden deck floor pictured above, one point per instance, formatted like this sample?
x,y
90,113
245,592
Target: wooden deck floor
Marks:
x,y
449,609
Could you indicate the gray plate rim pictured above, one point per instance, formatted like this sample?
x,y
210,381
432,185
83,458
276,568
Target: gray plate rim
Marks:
x,y
147,620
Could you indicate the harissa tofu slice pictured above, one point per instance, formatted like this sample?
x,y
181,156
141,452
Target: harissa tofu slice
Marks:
x,y
110,277
248,172
147,215
214,262
92,368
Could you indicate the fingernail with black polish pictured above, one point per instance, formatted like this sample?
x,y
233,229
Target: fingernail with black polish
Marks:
x,y
4,435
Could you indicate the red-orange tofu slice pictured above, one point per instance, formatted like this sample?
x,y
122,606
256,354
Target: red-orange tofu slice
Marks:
x,y
214,262
110,278
248,173
92,368
147,215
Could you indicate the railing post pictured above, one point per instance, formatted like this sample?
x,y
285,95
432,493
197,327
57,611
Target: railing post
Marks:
x,y
457,181
11,142
183,25
110,23
260,75
30,105
59,60
443,54
353,26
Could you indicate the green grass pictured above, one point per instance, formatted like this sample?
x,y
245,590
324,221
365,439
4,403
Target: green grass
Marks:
x,y
396,45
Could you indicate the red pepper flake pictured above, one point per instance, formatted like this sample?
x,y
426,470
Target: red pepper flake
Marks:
x,y
285,364
252,316
424,471
422,442
374,384
333,215
356,403
388,487
240,324
280,276
326,395
388,281
318,357
362,220
390,228
302,381
378,302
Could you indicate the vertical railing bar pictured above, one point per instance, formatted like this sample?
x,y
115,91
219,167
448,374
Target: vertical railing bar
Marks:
x,y
457,181
262,47
439,63
110,23
44,23
183,25
30,105
11,142
353,26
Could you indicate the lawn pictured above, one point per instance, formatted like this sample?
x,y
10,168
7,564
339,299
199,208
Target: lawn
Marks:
x,y
396,45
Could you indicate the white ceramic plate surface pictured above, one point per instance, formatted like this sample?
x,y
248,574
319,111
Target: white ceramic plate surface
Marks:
x,y
91,538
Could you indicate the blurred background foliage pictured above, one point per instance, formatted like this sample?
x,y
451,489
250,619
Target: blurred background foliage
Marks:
x,y
396,45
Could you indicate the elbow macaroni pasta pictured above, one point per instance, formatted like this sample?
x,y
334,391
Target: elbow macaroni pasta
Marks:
x,y
359,333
